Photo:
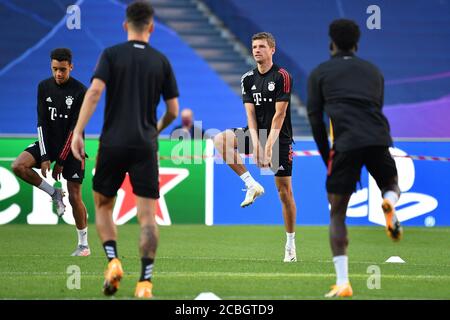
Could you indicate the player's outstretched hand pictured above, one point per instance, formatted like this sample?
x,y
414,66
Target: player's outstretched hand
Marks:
x,y
45,166
56,173
77,146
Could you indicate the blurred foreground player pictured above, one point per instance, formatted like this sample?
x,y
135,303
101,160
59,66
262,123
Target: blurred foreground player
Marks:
x,y
351,92
58,105
135,76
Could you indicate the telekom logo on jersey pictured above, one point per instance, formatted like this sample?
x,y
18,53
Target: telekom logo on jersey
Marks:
x,y
257,98
410,204
53,114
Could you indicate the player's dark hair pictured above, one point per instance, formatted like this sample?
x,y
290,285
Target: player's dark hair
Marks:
x,y
61,54
344,33
140,14
265,36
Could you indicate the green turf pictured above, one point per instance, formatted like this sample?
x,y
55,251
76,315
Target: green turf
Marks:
x,y
234,262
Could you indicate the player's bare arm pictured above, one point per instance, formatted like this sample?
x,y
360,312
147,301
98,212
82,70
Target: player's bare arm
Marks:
x,y
171,114
277,123
87,109
253,128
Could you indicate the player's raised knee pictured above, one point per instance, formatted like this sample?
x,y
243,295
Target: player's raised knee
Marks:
x,y
17,167
220,140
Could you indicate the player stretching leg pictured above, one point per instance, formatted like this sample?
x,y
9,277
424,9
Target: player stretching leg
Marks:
x,y
266,92
351,91
59,102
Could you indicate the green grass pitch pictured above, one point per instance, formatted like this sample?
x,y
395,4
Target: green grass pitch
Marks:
x,y
234,262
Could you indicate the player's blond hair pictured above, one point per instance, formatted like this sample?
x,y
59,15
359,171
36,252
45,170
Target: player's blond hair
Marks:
x,y
265,36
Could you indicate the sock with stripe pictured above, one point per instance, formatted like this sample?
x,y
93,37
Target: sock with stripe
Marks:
x,y
44,186
248,179
82,237
147,269
110,249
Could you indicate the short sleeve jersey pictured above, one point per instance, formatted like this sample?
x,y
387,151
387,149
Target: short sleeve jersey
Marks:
x,y
264,90
136,76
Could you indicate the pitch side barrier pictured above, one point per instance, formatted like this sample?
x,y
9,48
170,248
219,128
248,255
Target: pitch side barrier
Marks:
x,y
197,187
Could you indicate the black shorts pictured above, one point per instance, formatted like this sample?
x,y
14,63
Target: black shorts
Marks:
x,y
114,162
282,154
344,168
73,169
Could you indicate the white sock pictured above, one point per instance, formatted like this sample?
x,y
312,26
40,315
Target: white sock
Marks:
x,y
83,236
391,196
248,179
290,240
44,186
341,267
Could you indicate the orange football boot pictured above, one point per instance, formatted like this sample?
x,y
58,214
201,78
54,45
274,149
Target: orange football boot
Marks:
x,y
393,228
343,290
144,290
113,275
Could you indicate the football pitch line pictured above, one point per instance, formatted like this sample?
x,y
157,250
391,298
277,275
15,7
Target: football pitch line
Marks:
x,y
300,261
262,275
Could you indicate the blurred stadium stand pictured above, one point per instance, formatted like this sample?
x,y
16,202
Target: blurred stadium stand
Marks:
x,y
201,89
414,39
211,39
411,48
207,42
25,21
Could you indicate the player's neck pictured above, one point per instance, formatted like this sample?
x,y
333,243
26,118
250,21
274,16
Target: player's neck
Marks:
x,y
264,67
142,37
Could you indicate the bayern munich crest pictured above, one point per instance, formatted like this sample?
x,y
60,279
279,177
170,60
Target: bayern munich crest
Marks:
x,y
69,101
271,86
